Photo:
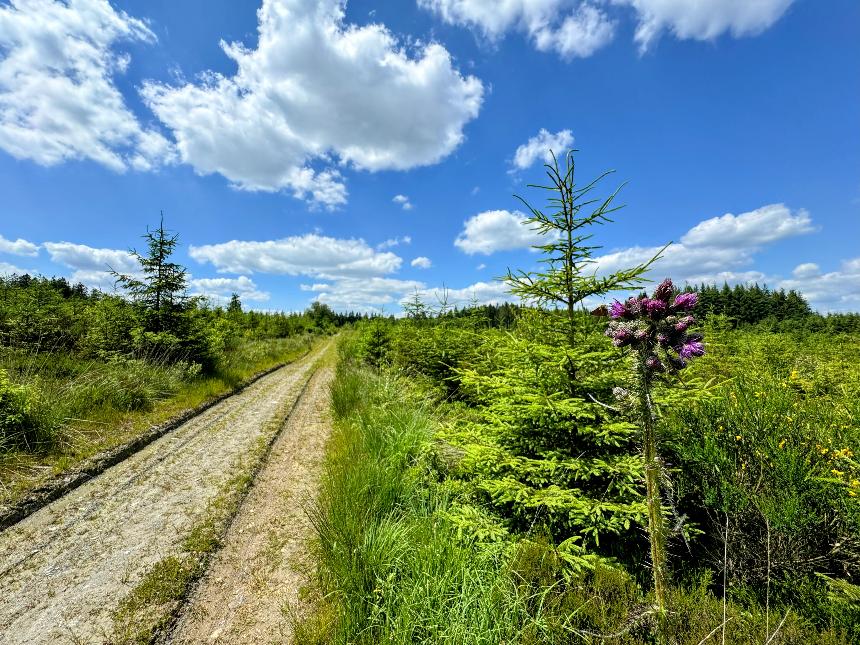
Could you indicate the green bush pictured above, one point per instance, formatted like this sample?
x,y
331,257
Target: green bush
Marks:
x,y
20,424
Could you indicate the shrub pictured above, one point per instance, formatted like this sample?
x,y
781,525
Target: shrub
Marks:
x,y
20,425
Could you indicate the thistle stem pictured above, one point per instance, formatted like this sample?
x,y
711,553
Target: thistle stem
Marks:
x,y
656,525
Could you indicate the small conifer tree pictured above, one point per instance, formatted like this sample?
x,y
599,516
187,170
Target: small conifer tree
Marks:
x,y
569,275
161,289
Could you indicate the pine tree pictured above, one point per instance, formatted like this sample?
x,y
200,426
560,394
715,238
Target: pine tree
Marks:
x,y
568,278
161,289
544,450
235,306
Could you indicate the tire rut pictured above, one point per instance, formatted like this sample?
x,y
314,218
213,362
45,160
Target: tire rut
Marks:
x,y
64,568
251,591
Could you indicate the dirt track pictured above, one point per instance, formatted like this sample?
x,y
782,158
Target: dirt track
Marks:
x,y
250,593
66,567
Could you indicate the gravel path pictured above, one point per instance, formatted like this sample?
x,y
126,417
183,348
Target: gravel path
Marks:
x,y
66,567
250,594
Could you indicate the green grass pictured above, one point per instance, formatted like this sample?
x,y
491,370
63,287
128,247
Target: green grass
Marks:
x,y
81,407
396,566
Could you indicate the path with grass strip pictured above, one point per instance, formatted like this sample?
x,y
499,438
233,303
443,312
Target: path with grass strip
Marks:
x,y
252,591
65,569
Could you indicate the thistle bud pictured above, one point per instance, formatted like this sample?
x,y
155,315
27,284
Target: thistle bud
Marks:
x,y
664,291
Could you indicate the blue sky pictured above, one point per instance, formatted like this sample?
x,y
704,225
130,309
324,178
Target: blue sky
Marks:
x,y
278,141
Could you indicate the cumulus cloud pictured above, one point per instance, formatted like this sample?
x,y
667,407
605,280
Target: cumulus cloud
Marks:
x,y
11,269
87,258
763,225
403,201
369,295
58,100
806,270
717,244
422,262
221,289
569,27
18,247
479,293
578,28
311,255
394,241
317,90
720,249
92,266
541,146
493,231
703,19
828,292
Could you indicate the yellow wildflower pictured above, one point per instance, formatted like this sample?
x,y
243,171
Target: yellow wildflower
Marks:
x,y
782,444
838,473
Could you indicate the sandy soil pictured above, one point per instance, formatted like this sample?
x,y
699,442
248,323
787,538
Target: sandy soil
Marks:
x,y
65,568
251,591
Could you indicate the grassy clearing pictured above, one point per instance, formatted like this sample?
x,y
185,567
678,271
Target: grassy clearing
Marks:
x,y
78,408
394,566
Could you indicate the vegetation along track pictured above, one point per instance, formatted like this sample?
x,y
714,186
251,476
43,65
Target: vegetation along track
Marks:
x,y
65,569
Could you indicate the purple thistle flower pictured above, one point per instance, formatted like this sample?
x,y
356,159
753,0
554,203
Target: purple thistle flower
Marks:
x,y
653,363
662,339
686,301
692,348
664,291
617,309
653,307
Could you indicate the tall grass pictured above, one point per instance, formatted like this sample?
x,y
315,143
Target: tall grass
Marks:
x,y
395,567
76,407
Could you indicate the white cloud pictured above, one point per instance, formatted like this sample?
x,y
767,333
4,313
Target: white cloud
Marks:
x,y
221,289
763,225
479,293
703,19
310,255
481,267
578,28
806,270
722,243
422,262
493,231
92,265
86,258
720,249
403,201
541,146
827,292
394,241
317,90
18,247
10,269
365,294
57,97
569,27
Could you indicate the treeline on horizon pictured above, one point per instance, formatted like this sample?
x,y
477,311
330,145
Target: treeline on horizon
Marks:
x,y
740,306
55,314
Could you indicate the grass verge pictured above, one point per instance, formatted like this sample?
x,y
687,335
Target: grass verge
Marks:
x,y
90,409
405,555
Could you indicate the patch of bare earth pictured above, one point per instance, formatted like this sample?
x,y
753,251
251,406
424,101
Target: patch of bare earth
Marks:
x,y
65,569
251,591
